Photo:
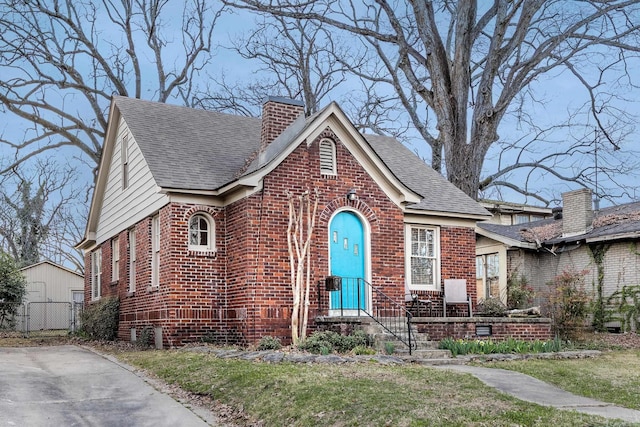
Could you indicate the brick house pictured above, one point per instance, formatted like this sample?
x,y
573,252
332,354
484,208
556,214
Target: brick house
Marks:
x,y
188,220
602,242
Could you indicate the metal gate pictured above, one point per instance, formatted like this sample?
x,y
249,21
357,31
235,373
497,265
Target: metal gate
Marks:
x,y
42,318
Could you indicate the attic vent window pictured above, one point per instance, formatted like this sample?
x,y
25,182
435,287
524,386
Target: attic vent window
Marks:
x,y
327,157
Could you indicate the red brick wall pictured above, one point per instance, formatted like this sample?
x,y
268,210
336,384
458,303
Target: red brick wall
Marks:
x,y
276,117
501,329
242,293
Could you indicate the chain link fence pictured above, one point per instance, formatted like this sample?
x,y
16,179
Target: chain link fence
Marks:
x,y
41,318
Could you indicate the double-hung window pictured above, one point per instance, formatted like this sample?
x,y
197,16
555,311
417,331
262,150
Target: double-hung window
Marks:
x,y
115,259
155,249
96,267
422,257
132,260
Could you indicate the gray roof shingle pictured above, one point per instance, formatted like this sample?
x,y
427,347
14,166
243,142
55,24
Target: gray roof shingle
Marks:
x,y
620,220
193,149
187,148
439,195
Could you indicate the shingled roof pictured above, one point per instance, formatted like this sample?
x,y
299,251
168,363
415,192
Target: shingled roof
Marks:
x,y
610,223
191,149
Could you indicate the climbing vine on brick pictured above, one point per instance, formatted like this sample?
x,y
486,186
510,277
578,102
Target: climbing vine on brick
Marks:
x,y
598,252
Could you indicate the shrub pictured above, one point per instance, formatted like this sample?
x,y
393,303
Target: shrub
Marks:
x,y
12,289
269,343
146,338
100,320
519,293
325,342
567,304
491,307
389,347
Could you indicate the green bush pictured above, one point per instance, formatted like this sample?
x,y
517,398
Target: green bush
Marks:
x,y
146,338
269,343
491,307
519,293
510,345
100,319
567,304
325,342
12,290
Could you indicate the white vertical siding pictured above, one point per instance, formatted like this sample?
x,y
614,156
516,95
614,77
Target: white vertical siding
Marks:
x,y
123,208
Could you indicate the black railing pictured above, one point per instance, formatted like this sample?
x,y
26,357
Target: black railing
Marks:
x,y
350,295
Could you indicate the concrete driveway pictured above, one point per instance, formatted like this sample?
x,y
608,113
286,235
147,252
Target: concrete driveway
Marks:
x,y
70,386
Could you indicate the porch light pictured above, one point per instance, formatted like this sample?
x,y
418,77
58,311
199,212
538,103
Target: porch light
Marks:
x,y
351,195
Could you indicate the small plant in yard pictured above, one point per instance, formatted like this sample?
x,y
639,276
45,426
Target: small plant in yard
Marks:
x,y
510,345
567,304
389,348
100,320
362,350
146,338
519,293
325,342
269,343
491,307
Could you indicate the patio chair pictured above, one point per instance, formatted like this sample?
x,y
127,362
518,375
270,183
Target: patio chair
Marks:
x,y
455,292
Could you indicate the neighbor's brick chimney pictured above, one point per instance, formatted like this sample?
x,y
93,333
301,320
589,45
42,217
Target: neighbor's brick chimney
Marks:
x,y
277,114
577,212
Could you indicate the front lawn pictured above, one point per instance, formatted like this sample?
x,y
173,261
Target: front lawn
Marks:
x,y
356,394
613,377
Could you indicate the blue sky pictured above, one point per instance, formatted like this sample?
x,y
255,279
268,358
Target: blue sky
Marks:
x,y
561,95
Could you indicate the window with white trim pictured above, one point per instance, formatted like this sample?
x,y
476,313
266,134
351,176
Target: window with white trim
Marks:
x,y
201,233
124,160
115,259
422,254
327,157
132,260
155,249
96,272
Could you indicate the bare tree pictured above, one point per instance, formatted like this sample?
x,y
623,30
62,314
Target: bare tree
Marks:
x,y
298,59
63,59
302,218
459,68
38,214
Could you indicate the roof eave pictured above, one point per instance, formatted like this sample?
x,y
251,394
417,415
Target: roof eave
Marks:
x,y
506,240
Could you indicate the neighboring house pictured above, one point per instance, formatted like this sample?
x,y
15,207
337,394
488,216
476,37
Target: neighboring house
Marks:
x,y
543,249
507,213
491,255
51,292
188,221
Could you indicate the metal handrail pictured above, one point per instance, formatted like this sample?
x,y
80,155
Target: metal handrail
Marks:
x,y
386,311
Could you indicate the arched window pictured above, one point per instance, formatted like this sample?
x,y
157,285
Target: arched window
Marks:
x,y
201,232
328,157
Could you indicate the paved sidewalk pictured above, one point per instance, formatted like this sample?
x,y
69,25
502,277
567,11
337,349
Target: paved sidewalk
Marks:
x,y
527,388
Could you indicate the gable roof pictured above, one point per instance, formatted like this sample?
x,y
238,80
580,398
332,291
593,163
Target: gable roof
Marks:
x,y
438,194
611,223
187,148
53,264
203,152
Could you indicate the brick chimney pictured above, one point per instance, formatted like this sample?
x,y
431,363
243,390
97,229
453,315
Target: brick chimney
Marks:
x,y
277,114
577,212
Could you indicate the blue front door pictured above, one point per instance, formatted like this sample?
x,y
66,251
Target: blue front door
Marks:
x,y
347,260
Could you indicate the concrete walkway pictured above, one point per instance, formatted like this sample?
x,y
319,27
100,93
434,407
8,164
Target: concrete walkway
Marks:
x,y
533,390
